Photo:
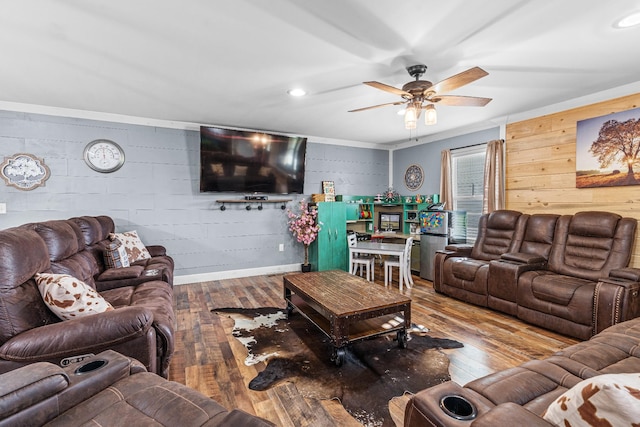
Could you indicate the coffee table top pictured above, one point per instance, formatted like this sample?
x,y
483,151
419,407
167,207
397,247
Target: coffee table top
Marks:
x,y
342,293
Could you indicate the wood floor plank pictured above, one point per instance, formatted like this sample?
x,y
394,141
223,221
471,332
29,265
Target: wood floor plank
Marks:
x,y
207,358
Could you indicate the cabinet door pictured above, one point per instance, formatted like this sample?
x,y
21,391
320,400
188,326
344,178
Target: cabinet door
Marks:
x,y
339,246
329,251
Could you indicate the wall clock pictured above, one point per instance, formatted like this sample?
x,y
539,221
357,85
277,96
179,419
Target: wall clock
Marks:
x,y
413,177
103,155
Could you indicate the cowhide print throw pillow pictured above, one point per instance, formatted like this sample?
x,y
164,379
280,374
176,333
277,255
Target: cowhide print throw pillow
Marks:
x,y
68,297
604,400
136,250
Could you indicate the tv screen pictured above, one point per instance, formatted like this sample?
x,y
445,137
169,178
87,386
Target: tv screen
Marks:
x,y
233,161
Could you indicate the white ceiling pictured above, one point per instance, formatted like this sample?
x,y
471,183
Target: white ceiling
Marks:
x,y
230,63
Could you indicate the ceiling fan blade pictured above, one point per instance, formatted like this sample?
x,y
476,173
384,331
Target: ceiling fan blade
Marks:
x,y
460,101
459,80
391,89
377,106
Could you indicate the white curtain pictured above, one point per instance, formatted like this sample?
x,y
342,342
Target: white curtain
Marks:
x,y
446,188
494,188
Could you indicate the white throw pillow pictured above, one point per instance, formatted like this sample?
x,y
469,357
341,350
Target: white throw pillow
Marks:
x,y
68,297
136,250
609,399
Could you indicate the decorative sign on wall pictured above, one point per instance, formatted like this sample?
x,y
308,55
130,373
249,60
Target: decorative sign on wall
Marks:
x,y
329,191
608,150
24,171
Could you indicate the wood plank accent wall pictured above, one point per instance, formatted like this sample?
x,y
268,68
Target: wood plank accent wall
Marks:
x,y
541,167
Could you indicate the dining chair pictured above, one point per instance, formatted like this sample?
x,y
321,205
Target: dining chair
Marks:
x,y
395,262
360,261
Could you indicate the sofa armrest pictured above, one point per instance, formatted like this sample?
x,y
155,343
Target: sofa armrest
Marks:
x,y
460,249
90,334
29,385
615,300
156,250
508,415
456,250
631,274
523,258
131,272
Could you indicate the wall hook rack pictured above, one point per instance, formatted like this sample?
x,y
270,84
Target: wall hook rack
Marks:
x,y
249,203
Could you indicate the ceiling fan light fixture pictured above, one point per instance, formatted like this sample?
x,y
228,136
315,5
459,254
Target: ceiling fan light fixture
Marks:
x,y
430,115
629,20
297,92
410,117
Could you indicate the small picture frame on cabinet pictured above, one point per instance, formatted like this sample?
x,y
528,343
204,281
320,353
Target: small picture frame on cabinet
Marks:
x,y
329,191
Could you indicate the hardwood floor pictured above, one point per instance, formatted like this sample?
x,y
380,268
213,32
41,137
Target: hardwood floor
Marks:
x,y
208,359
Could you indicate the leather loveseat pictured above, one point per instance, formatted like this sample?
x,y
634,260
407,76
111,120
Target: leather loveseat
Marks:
x,y
107,389
141,326
523,395
568,273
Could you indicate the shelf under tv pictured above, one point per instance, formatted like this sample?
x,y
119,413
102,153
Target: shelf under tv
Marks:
x,y
249,203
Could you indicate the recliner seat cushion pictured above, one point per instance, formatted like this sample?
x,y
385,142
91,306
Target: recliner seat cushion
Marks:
x,y
553,295
557,289
466,268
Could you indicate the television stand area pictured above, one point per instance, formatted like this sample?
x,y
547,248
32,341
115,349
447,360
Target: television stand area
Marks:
x,y
250,202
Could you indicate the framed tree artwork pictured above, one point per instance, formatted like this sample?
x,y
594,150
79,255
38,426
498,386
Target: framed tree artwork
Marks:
x,y
608,150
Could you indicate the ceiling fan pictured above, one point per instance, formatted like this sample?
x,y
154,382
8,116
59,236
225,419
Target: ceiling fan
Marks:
x,y
422,94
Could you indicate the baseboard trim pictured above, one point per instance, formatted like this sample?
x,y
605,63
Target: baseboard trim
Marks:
x,y
232,274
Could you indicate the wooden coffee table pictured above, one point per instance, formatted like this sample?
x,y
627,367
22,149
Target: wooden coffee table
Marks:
x,y
347,308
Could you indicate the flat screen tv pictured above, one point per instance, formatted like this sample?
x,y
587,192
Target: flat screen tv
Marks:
x,y
234,161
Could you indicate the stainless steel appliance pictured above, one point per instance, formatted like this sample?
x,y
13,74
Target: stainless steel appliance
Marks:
x,y
438,229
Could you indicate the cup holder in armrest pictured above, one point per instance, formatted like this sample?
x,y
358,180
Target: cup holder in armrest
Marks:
x,y
458,407
90,366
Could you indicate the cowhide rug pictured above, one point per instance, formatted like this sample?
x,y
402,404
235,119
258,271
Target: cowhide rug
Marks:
x,y
373,372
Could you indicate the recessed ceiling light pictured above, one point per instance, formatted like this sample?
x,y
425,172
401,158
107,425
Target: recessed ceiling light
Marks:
x,y
297,92
627,21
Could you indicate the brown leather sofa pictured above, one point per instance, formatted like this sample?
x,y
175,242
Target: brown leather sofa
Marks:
x,y
521,395
568,273
140,327
107,389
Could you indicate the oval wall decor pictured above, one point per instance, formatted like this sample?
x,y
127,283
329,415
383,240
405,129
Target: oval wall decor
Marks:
x,y
24,171
413,177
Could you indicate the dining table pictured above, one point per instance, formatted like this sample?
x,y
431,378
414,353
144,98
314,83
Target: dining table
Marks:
x,y
381,248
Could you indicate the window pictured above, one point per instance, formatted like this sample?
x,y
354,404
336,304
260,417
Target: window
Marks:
x,y
467,168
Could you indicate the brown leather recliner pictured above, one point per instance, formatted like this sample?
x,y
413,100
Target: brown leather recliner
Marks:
x,y
587,247
502,285
95,231
462,271
107,389
568,274
140,327
520,395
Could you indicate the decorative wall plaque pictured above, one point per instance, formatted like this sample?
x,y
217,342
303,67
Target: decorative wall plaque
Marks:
x,y
413,177
24,171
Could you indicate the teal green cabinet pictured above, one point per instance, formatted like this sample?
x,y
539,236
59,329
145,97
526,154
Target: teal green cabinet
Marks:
x,y
329,250
411,212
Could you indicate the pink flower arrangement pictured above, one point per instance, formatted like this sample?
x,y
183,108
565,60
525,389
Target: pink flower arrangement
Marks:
x,y
303,226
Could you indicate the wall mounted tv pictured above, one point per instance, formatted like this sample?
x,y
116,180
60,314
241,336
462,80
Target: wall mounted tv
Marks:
x,y
234,161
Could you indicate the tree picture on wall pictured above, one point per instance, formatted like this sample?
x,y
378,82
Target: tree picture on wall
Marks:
x,y
608,150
